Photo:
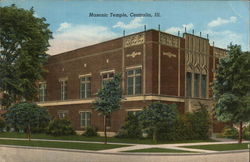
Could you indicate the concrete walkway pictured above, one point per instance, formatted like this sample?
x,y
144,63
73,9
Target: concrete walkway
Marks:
x,y
131,146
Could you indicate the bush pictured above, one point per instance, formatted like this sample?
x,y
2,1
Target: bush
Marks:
x,y
246,132
60,127
131,128
2,124
189,126
90,132
200,122
230,132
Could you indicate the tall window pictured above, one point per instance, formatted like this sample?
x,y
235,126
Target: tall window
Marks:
x,y
134,81
106,77
196,85
42,91
64,94
85,119
204,86
189,84
85,87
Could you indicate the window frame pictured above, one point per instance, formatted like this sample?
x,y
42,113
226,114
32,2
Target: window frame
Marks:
x,y
134,76
85,82
85,121
43,89
63,89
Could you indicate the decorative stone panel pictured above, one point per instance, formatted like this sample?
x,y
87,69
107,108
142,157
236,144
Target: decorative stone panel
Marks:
x,y
169,40
134,40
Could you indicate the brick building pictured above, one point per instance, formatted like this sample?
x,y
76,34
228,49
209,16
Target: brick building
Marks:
x,y
155,66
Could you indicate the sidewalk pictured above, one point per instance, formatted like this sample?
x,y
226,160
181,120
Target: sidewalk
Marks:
x,y
133,146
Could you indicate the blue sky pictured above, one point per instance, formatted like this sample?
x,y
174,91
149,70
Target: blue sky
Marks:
x,y
224,21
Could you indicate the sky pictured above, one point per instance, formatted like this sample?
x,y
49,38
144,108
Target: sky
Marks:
x,y
224,21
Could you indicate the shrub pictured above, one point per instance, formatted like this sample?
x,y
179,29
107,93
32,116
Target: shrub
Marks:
x,y
2,124
157,114
90,132
131,128
60,127
230,132
188,126
200,122
246,132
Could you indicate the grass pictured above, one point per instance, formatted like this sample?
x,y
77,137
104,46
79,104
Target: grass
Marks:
x,y
96,139
220,147
65,145
152,150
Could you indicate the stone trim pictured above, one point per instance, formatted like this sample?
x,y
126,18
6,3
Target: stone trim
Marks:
x,y
127,99
84,75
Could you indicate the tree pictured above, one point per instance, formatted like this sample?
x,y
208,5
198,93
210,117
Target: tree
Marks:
x,y
232,88
109,99
25,116
23,43
157,113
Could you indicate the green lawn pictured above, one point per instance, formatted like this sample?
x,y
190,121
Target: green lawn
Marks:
x,y
96,139
65,145
220,147
154,150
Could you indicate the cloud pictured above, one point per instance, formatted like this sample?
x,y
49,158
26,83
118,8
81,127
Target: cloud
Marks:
x,y
174,30
224,38
133,24
69,37
63,26
219,21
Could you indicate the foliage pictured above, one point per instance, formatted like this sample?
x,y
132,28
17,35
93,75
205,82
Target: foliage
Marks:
x,y
153,116
229,132
109,99
200,122
131,128
232,87
23,45
2,124
60,127
24,116
246,132
90,132
189,126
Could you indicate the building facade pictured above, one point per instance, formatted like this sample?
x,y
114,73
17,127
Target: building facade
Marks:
x,y
155,66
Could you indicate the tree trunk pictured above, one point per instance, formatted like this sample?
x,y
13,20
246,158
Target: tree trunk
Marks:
x,y
240,133
154,136
29,136
105,129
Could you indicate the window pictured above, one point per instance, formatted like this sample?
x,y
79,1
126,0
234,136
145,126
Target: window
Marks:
x,y
85,119
106,77
134,112
203,86
134,81
63,84
42,91
189,84
62,114
196,85
85,87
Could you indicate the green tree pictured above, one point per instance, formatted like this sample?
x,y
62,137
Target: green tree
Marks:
x,y
232,88
25,116
109,99
153,116
23,43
